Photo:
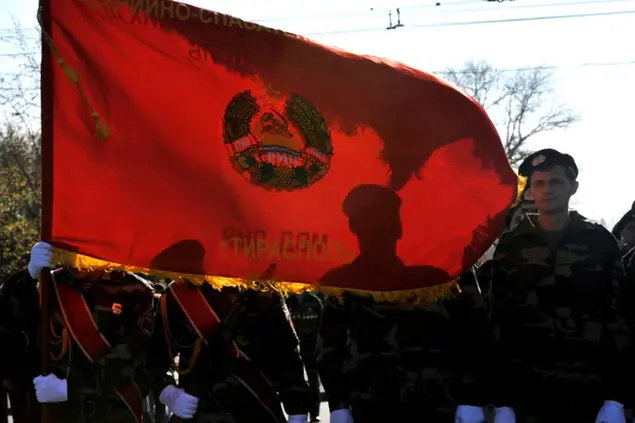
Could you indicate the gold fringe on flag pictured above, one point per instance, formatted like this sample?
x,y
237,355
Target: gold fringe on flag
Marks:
x,y
417,296
520,193
412,297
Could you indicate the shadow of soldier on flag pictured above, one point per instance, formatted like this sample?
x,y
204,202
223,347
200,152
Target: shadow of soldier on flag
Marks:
x,y
185,256
373,213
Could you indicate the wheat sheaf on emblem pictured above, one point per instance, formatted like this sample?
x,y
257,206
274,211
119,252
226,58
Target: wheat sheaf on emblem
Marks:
x,y
283,150
312,124
238,115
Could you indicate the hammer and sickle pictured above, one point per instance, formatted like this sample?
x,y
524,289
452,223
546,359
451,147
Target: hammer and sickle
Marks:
x,y
274,123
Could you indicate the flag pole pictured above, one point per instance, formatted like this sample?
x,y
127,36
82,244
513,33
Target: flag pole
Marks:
x,y
46,212
45,310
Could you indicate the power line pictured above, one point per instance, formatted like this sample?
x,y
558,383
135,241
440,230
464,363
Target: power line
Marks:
x,y
445,72
445,24
443,9
482,22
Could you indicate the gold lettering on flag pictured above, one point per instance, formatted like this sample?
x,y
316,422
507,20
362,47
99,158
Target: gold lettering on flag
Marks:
x,y
289,246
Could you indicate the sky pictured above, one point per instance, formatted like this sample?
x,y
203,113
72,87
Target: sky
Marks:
x,y
593,56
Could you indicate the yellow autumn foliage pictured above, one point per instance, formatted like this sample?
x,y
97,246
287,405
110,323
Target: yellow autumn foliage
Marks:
x,y
19,201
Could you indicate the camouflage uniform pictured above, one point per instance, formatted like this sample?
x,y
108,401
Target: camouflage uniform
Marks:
x,y
390,362
92,396
306,314
553,303
259,325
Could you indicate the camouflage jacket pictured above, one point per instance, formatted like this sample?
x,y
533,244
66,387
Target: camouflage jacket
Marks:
x,y
121,305
627,287
405,355
554,310
262,331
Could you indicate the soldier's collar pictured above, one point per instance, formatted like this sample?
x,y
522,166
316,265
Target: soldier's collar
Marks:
x,y
530,223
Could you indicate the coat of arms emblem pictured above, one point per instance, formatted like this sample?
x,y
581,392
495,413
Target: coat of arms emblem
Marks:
x,y
281,144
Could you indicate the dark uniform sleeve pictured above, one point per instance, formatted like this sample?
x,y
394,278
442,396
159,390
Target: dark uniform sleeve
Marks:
x,y
159,362
474,342
332,351
274,348
620,368
500,308
625,275
19,320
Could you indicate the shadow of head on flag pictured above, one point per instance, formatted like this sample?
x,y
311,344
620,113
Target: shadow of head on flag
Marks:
x,y
373,213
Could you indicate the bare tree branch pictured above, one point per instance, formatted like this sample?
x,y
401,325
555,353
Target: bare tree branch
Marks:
x,y
20,159
19,89
521,104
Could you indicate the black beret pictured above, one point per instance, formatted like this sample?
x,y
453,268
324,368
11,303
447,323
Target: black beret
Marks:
x,y
368,198
544,159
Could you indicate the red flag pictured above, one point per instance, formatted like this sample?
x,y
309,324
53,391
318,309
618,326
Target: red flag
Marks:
x,y
229,149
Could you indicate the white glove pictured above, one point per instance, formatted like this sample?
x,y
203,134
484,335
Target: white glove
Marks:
x,y
504,415
341,416
178,402
50,388
41,256
469,414
299,418
611,412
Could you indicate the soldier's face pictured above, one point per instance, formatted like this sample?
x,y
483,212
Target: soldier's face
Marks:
x,y
628,234
551,190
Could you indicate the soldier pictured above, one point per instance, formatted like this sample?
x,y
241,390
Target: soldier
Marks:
x,y
382,361
552,301
379,360
101,324
624,230
18,327
19,352
238,353
306,315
